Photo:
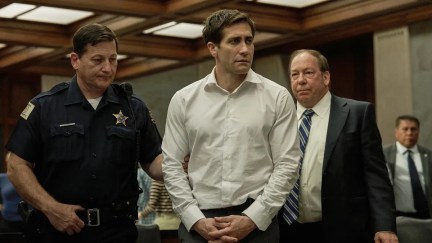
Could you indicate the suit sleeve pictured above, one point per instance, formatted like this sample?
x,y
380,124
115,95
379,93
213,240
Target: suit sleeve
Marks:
x,y
380,190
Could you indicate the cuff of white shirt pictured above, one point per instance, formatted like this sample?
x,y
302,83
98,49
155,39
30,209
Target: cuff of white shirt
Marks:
x,y
190,216
256,213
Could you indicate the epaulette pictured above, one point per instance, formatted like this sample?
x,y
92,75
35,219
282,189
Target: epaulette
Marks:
x,y
127,90
57,88
134,97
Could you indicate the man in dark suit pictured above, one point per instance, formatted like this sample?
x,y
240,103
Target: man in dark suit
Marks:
x,y
345,193
407,133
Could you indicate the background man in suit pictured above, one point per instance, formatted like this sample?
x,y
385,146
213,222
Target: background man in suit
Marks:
x,y
407,133
345,192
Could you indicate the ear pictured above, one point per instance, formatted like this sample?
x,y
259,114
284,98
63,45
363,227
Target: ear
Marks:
x,y
74,60
326,76
212,48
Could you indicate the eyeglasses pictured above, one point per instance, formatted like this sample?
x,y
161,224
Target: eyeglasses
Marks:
x,y
306,73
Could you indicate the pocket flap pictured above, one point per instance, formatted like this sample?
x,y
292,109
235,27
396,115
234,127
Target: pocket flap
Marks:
x,y
66,129
122,132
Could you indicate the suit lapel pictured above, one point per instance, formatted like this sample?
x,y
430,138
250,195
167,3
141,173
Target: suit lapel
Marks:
x,y
426,169
426,158
338,115
392,160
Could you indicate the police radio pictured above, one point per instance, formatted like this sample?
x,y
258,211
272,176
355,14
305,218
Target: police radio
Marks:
x,y
128,90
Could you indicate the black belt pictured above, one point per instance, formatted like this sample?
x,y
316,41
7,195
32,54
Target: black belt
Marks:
x,y
237,208
106,216
116,214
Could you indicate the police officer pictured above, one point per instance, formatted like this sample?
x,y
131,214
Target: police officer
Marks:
x,y
75,147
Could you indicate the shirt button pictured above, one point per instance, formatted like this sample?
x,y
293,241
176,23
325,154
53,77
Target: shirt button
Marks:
x,y
93,155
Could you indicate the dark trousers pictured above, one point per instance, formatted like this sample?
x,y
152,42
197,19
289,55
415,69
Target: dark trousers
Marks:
x,y
271,235
11,226
300,233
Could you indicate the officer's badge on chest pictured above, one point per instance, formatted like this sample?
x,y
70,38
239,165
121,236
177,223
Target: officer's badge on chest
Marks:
x,y
121,119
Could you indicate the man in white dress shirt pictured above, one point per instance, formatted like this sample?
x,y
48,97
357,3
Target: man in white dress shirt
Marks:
x,y
240,130
407,133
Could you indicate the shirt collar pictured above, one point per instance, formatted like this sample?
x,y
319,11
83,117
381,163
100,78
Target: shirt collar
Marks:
x,y
251,77
320,109
402,149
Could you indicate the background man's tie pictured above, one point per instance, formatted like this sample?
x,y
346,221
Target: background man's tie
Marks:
x,y
420,202
291,209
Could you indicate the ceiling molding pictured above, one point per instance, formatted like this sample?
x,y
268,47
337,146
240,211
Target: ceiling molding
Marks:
x,y
41,48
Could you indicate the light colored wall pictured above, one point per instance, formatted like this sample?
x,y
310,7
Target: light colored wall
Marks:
x,y
403,78
273,68
393,86
421,67
156,90
49,81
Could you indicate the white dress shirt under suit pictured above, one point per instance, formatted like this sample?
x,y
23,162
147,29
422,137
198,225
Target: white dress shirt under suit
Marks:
x,y
402,181
242,145
311,173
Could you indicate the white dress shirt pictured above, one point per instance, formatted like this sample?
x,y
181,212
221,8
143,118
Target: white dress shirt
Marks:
x,y
404,198
311,172
242,145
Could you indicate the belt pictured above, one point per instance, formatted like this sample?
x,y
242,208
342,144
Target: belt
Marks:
x,y
93,217
237,208
115,214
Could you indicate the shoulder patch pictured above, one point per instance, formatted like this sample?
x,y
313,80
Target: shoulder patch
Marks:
x,y
27,111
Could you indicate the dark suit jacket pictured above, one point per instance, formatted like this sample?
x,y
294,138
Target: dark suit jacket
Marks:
x,y
357,196
426,158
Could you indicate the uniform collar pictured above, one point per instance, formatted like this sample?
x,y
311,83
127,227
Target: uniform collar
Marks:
x,y
75,96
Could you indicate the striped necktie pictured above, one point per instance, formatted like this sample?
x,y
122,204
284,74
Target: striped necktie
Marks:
x,y
291,209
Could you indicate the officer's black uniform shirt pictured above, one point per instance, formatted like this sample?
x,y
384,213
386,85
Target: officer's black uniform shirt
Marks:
x,y
81,155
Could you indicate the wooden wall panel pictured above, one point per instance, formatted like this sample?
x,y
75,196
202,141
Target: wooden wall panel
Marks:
x,y
16,90
351,67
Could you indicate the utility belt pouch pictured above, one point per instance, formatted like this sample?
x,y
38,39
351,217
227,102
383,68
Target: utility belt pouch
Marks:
x,y
35,222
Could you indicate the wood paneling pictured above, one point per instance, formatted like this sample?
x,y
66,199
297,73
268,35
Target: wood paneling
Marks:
x,y
16,90
351,67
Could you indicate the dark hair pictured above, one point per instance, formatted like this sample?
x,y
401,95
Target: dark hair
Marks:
x,y
322,60
217,21
407,117
92,34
